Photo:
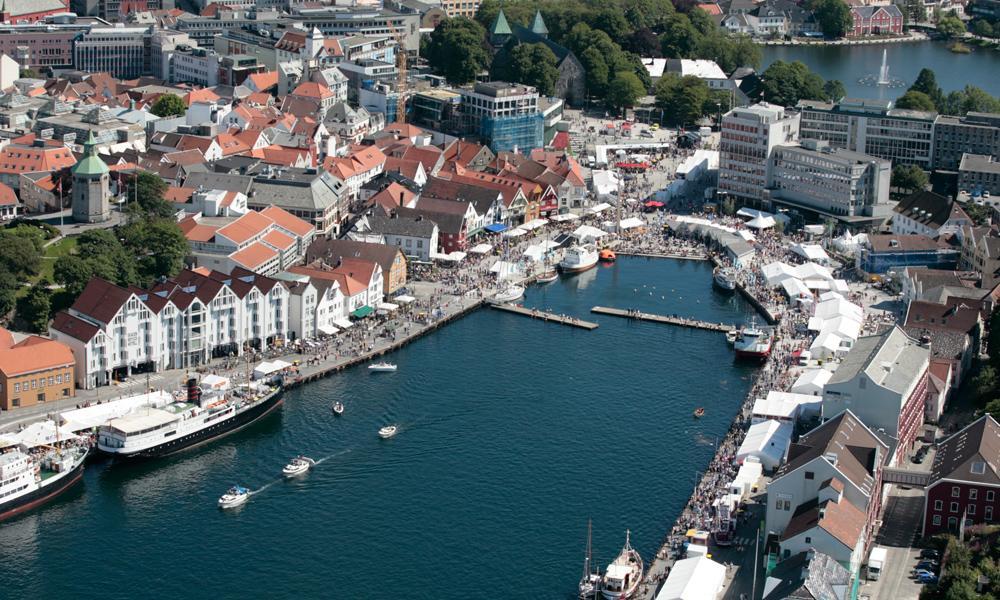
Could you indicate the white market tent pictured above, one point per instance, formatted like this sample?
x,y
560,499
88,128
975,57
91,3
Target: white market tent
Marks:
x,y
785,406
761,223
812,252
481,249
96,415
768,441
839,285
794,288
404,299
817,284
830,296
44,434
811,270
598,208
564,217
814,229
826,345
747,477
698,578
838,307
534,224
534,252
587,234
746,235
326,329
631,223
387,306
549,245
845,327
515,232
811,381
342,322
776,271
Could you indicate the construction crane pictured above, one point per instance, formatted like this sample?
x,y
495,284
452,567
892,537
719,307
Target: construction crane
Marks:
x,y
397,33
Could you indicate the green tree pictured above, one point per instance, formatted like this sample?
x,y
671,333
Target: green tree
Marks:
x,y
35,307
970,99
107,257
611,20
168,105
785,83
834,89
644,43
915,101
950,26
147,190
18,256
985,382
926,83
993,408
457,50
982,28
159,246
73,272
680,38
624,90
908,177
832,16
683,99
530,64
597,71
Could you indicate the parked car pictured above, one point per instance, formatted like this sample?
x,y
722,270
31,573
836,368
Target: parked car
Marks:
x,y
928,565
926,577
917,573
930,553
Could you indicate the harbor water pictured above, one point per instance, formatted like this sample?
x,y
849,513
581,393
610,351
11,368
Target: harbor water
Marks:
x,y
513,432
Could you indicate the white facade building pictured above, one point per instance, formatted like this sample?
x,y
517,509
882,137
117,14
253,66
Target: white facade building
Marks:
x,y
748,137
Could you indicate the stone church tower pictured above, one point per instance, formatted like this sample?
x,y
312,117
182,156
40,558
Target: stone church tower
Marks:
x,y
91,196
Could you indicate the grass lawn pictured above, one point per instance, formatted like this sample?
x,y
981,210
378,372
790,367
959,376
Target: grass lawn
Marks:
x,y
65,246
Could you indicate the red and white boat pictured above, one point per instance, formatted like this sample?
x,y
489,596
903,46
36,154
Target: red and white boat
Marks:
x,y
579,258
753,342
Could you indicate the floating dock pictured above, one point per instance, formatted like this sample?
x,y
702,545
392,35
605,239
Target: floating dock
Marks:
x,y
679,321
544,316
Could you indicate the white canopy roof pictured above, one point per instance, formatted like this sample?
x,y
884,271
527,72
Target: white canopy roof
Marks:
x,y
534,252
210,381
785,405
814,229
515,232
588,233
564,217
404,299
96,415
830,295
549,244
535,224
698,578
794,288
817,284
768,441
811,381
838,307
597,208
481,249
811,252
776,271
328,329
827,344
841,286
811,270
387,306
44,434
631,223
343,322
746,235
761,223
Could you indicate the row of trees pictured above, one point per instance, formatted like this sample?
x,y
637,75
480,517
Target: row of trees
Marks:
x,y
926,94
785,83
685,100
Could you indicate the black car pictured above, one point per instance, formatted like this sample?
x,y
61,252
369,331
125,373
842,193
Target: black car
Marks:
x,y
929,554
928,565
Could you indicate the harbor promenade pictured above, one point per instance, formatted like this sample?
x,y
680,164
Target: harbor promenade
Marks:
x,y
534,313
667,320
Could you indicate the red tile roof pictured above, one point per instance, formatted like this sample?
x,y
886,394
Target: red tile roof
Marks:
x,y
245,228
15,158
287,220
35,354
253,256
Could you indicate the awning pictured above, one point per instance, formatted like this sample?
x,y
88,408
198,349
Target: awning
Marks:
x,y
342,322
328,329
496,228
481,249
564,217
597,208
404,299
362,312
515,233
535,224
387,306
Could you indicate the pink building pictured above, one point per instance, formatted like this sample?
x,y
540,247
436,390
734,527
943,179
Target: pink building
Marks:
x,y
876,20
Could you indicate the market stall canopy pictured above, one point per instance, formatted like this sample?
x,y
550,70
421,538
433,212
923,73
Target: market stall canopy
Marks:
x,y
696,578
496,228
328,329
535,224
768,441
811,252
362,312
96,415
794,288
404,299
481,249
564,217
761,223
588,233
775,272
812,381
44,433
598,208
387,306
746,235
342,323
516,232
534,252
653,204
631,223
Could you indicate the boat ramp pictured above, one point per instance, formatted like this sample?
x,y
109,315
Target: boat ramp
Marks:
x,y
545,316
667,320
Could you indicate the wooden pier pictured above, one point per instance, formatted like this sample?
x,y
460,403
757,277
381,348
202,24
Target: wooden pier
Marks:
x,y
544,316
679,321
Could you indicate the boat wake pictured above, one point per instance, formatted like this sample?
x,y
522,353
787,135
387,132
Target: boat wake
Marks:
x,y
334,455
263,487
703,440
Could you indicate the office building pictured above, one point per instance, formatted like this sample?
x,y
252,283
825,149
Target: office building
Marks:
x,y
871,127
505,115
975,133
124,52
748,137
978,173
830,182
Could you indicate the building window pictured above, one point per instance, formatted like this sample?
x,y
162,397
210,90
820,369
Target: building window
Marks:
x,y
973,494
938,504
808,540
936,520
41,397
970,509
988,513
953,507
17,387
955,491
989,495
978,468
810,475
952,522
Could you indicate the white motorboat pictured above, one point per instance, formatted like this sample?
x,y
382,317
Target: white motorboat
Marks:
x,y
724,278
298,466
732,335
382,367
548,276
338,408
510,294
388,431
623,576
579,258
236,496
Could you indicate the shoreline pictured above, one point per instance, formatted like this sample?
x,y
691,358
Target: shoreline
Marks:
x,y
906,39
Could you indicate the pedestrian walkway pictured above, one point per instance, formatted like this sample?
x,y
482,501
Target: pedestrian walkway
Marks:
x,y
671,320
534,313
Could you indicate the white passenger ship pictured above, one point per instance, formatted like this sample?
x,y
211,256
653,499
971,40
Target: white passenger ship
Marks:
x,y
205,415
28,481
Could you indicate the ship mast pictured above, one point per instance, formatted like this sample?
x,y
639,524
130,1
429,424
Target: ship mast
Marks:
x,y
586,559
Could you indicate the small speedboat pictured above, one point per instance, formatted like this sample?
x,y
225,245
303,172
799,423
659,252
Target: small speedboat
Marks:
x,y
388,431
236,496
548,276
382,367
607,255
298,466
699,413
510,294
731,336
338,408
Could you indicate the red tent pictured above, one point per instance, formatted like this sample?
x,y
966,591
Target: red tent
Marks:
x,y
654,204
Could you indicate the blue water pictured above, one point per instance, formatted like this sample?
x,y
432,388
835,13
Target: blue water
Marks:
x,y
513,433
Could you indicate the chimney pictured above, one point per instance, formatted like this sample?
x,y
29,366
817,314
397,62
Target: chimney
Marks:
x,y
401,199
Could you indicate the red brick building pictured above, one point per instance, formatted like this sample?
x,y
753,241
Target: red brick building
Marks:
x,y
965,482
876,20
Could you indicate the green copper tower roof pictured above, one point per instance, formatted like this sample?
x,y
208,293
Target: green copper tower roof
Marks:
x,y
500,25
538,25
90,165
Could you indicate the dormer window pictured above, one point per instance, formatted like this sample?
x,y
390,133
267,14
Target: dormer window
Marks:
x,y
978,468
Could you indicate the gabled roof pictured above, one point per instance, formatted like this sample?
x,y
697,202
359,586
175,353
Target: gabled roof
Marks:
x,y
842,520
15,158
978,444
891,360
101,300
34,354
330,251
928,208
253,256
957,314
74,327
389,197
313,90
287,221
245,228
